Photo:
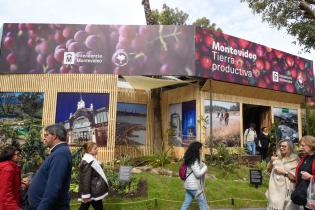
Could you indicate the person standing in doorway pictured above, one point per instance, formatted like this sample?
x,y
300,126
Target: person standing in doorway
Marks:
x,y
263,143
250,136
49,189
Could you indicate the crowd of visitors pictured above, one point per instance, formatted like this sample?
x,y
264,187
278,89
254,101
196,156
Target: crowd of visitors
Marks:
x,y
290,174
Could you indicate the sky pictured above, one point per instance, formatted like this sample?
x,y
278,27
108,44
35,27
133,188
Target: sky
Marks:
x,y
233,17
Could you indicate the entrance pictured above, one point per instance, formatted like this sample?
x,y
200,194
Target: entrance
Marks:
x,y
260,115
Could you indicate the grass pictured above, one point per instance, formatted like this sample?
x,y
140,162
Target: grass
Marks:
x,y
229,187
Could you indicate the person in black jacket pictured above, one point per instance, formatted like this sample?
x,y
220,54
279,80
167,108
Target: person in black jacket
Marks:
x,y
93,186
264,142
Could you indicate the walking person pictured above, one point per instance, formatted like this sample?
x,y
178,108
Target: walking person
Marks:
x,y
49,189
305,170
93,185
281,182
264,143
226,117
250,137
195,174
10,177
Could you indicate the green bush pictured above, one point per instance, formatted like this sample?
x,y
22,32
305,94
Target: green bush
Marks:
x,y
223,159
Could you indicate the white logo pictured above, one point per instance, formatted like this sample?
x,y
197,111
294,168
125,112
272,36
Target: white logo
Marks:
x,y
120,58
68,58
275,76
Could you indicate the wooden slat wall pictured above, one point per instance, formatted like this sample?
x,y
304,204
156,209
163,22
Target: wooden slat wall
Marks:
x,y
230,93
138,97
257,96
51,84
179,95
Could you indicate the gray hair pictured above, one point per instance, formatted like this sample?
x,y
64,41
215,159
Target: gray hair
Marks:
x,y
57,130
291,148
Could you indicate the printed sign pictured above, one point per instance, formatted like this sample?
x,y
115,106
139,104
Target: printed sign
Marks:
x,y
255,177
227,58
99,49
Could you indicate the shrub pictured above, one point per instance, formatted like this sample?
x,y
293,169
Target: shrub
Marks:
x,y
222,158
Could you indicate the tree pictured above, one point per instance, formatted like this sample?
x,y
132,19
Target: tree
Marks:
x,y
205,23
31,103
297,16
33,150
170,16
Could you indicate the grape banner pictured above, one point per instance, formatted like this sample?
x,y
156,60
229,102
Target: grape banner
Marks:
x,y
99,49
226,58
150,50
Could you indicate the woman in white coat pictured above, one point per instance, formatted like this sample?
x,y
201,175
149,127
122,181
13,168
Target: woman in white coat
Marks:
x,y
194,183
281,182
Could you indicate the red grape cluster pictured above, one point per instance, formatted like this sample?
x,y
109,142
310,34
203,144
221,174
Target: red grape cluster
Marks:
x,y
140,50
268,60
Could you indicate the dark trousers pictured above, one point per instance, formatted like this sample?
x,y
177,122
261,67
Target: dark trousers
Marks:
x,y
263,153
97,205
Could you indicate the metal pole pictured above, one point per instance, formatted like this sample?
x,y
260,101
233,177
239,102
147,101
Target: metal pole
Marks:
x,y
211,140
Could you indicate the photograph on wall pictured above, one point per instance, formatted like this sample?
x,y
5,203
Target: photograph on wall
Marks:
x,y
288,123
85,117
131,120
225,123
182,123
18,112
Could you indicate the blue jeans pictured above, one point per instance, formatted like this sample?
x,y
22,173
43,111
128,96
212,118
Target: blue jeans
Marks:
x,y
251,147
189,197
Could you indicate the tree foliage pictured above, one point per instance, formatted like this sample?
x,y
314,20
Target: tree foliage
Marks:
x,y
33,150
205,23
31,103
170,16
296,16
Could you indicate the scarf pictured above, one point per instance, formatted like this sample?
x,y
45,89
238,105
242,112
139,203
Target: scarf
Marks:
x,y
280,187
95,165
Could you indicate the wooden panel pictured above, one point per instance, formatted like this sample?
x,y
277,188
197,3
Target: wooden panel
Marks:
x,y
179,95
138,97
51,84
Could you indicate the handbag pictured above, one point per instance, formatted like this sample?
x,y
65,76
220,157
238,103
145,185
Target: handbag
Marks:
x,y
311,195
299,194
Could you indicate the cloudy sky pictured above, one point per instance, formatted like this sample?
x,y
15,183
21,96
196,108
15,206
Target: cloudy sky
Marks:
x,y
231,16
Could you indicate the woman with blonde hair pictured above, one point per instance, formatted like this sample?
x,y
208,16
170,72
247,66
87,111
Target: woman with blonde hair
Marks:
x,y
93,186
305,171
281,182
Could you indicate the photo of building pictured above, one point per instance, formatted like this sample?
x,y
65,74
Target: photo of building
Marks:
x,y
85,118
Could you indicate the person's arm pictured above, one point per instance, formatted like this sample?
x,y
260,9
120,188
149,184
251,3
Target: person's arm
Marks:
x,y
85,180
245,136
270,163
198,172
7,180
58,172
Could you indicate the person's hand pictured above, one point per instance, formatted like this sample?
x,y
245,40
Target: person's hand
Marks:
x,y
85,200
306,175
280,171
273,158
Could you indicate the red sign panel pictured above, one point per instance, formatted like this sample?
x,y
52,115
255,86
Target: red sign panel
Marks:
x,y
227,58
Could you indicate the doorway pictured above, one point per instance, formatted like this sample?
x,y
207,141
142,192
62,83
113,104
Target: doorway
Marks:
x,y
260,115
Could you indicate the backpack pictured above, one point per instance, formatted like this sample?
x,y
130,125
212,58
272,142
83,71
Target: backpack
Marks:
x,y
182,171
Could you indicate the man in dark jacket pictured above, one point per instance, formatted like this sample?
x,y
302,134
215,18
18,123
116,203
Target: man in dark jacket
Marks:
x,y
50,186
